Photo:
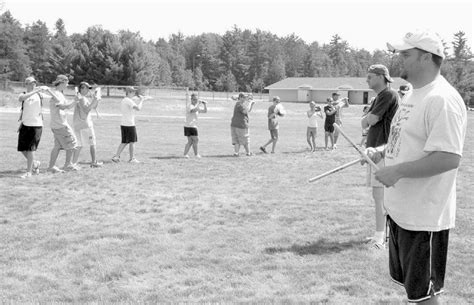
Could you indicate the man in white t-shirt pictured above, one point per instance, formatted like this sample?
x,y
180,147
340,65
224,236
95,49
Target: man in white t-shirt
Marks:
x,y
422,156
127,126
190,125
31,128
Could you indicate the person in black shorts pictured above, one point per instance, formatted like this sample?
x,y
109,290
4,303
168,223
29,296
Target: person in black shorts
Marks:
x,y
190,125
31,127
330,112
422,157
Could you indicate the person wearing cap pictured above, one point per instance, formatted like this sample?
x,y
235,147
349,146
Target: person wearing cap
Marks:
x,y
422,157
274,111
312,129
64,138
82,124
127,126
330,118
239,126
190,125
378,120
31,124
338,104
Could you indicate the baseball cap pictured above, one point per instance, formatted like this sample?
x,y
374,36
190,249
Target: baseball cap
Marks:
x,y
85,84
61,79
336,93
380,70
30,79
422,39
276,98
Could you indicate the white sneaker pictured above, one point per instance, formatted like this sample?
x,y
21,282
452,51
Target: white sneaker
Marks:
x,y
97,164
26,175
378,246
71,168
134,161
55,170
36,167
186,156
198,156
115,159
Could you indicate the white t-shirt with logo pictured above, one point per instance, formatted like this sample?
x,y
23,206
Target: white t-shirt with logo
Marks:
x,y
128,113
429,119
32,112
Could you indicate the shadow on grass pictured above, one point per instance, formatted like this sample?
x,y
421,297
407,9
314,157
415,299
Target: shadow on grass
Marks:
x,y
191,157
319,247
11,173
303,151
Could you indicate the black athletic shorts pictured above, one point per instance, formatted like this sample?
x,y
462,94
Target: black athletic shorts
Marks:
x,y
29,137
417,260
328,128
190,131
129,134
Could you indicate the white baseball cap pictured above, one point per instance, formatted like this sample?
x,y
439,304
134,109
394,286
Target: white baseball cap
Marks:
x,y
421,39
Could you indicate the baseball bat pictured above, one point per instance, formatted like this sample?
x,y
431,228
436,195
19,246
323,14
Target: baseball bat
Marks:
x,y
334,170
361,152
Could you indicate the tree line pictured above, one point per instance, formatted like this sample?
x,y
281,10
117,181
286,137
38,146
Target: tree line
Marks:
x,y
238,60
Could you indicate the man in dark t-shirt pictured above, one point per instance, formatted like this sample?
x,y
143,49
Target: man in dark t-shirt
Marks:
x,y
378,119
330,112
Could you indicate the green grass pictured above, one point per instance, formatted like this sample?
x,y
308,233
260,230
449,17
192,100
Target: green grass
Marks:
x,y
216,229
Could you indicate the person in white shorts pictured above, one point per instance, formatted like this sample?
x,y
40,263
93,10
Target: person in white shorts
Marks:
x,y
338,104
378,120
83,125
312,129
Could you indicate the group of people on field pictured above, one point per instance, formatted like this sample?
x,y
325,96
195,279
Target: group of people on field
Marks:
x,y
70,139
415,136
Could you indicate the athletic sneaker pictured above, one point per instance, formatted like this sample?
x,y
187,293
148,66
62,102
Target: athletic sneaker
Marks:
x,y
26,175
236,154
198,156
263,149
36,167
55,170
335,146
249,154
115,159
96,164
133,161
186,156
71,168
378,246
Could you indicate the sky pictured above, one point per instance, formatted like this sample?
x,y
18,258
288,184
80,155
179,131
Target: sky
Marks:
x,y
363,24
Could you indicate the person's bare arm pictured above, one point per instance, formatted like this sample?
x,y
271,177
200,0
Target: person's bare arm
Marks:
x,y
433,164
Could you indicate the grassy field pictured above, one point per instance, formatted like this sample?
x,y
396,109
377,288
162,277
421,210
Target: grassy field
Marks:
x,y
216,229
